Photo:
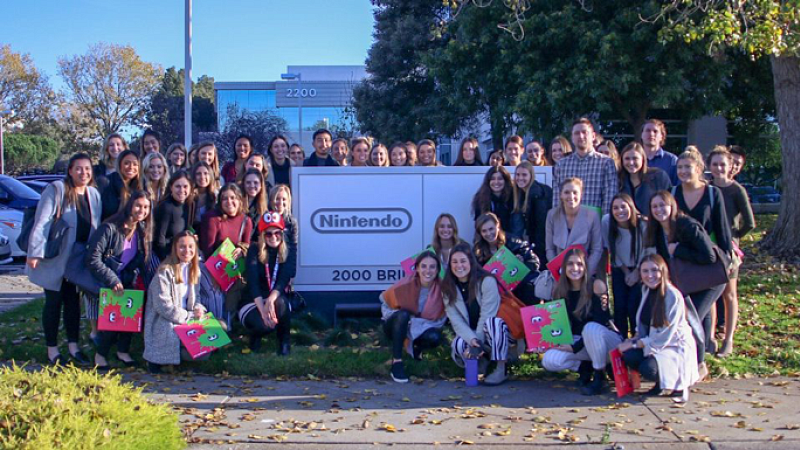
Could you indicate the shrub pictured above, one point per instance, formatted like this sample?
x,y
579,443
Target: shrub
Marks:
x,y
72,408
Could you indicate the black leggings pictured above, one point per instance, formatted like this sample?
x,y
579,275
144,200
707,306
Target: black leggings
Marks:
x,y
257,328
396,329
646,366
703,301
107,338
68,296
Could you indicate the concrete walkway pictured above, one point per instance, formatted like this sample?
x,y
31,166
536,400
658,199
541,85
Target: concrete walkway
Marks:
x,y
15,289
237,413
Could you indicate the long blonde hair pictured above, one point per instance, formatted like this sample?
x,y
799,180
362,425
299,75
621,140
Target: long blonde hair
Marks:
x,y
154,191
215,165
263,248
521,201
106,158
273,194
174,262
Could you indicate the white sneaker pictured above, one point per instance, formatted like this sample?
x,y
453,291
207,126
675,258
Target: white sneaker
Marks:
x,y
496,377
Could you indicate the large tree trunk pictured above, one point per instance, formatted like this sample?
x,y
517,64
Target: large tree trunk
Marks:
x,y
784,239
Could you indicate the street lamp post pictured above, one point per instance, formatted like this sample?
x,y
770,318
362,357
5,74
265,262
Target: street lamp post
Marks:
x,y
299,77
10,113
187,76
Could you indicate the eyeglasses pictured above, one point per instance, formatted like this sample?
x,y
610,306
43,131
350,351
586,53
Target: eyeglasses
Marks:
x,y
270,234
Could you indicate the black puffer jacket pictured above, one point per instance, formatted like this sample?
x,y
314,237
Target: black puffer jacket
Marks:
x,y
110,195
522,248
540,199
104,252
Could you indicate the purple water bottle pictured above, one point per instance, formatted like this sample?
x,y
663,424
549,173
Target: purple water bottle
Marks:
x,y
471,372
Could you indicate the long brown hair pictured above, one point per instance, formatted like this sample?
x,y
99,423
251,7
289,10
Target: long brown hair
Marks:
x,y
624,175
563,286
261,197
634,225
145,227
134,184
482,201
476,276
436,242
233,187
174,262
566,148
482,248
70,194
654,228
659,305
210,190
521,199
460,157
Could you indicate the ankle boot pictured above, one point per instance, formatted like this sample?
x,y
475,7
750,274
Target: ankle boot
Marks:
x,y
584,373
598,384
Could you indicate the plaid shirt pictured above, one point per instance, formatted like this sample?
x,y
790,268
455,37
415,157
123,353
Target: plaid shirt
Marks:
x,y
599,176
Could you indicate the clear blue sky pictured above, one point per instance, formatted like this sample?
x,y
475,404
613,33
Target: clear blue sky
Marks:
x,y
233,40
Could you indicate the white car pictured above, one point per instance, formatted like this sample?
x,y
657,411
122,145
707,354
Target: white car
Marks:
x,y
10,226
5,249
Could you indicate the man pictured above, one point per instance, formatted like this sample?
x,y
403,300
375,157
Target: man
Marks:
x,y
739,159
322,148
597,171
654,135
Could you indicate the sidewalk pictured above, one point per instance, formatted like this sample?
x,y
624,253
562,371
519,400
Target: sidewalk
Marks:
x,y
219,412
15,289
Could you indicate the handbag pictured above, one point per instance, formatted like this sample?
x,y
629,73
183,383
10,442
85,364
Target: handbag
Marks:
x,y
543,286
509,312
58,229
78,274
691,277
296,301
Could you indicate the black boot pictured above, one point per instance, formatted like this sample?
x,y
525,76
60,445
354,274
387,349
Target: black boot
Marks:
x,y
255,342
598,384
154,368
584,373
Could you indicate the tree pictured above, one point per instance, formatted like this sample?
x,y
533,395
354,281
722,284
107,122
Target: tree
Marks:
x,y
261,126
23,88
394,103
24,152
111,84
165,111
769,29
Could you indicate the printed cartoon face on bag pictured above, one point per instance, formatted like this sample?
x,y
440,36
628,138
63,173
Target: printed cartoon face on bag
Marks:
x,y
203,336
546,325
120,312
223,268
507,268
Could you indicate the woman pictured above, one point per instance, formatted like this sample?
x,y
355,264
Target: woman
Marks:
x,y
76,202
279,158
207,153
608,148
171,302
116,257
513,150
638,180
270,269
112,147
572,224
125,179
176,156
673,234
297,155
242,148
471,302
360,152
204,193
340,151
255,191
623,238
227,221
280,201
741,221
258,162
536,154
533,201
469,153
445,237
412,311
497,195
590,323
490,237
173,215
411,149
149,143
496,158
559,149
379,156
154,182
426,151
192,154
398,155
663,349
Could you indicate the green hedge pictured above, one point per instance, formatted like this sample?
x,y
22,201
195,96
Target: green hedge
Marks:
x,y
71,408
26,151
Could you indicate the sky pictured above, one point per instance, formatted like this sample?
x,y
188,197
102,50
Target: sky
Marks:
x,y
233,40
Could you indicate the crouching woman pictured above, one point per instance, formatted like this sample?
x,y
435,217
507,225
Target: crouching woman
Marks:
x,y
663,349
590,322
171,302
413,312
471,302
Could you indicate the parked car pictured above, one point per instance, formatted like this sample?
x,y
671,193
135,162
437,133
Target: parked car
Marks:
x,y
45,177
5,249
36,185
10,226
763,194
16,195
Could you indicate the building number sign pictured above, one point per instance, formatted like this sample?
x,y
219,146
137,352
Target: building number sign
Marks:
x,y
297,93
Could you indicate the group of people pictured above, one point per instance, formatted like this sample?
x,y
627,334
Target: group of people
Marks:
x,y
147,220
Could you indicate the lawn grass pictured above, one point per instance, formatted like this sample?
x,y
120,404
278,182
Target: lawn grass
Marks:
x,y
767,342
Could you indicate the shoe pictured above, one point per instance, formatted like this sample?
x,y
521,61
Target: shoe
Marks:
x,y
80,358
102,369
255,343
726,350
284,349
399,372
712,346
584,373
58,360
655,391
131,363
154,368
598,384
417,351
496,378
95,340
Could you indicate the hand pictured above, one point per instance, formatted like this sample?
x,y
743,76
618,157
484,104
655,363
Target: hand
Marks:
x,y
564,348
519,257
237,253
632,277
671,248
625,346
599,288
269,316
118,289
199,310
33,262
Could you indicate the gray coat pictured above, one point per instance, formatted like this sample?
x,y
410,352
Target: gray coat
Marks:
x,y
163,312
50,272
585,231
488,297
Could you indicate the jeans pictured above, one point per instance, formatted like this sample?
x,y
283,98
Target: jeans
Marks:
x,y
396,329
68,296
626,302
646,366
703,301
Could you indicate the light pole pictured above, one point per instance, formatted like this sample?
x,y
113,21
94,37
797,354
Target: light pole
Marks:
x,y
299,77
187,77
10,113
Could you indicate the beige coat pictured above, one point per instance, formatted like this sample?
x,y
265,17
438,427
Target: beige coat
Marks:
x,y
163,312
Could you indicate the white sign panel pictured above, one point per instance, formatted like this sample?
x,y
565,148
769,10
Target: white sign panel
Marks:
x,y
357,224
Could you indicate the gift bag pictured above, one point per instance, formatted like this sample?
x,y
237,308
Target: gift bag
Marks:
x,y
203,336
507,268
546,326
120,312
626,381
223,268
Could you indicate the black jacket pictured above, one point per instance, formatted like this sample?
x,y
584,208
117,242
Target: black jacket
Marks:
x,y
283,174
522,248
256,273
315,161
540,199
694,245
171,218
103,256
597,313
100,176
710,213
110,195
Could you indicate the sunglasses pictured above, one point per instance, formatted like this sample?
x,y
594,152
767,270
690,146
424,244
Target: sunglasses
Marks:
x,y
270,234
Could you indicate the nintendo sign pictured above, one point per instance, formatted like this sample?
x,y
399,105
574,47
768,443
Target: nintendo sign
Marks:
x,y
357,224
